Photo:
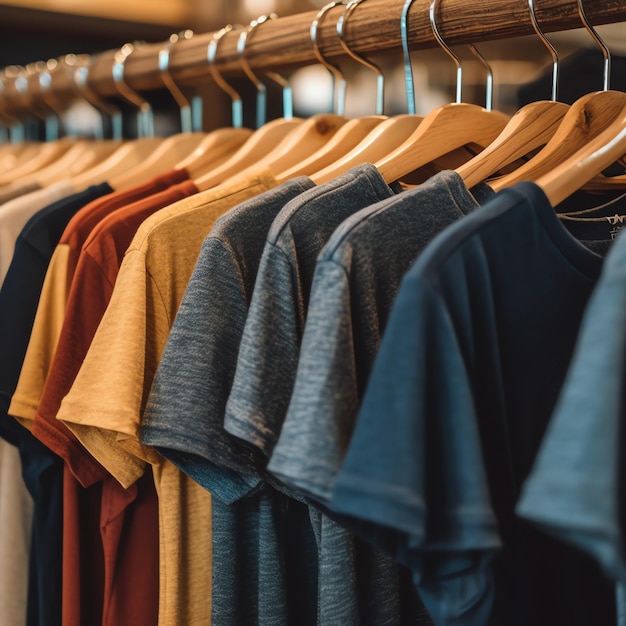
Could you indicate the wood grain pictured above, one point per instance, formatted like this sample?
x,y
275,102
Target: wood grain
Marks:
x,y
373,28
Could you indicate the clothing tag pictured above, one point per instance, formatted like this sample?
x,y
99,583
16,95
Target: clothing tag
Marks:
x,y
618,222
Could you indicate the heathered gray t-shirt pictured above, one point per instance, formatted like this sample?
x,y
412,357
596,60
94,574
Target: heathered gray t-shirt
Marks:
x,y
356,280
261,574
357,584
184,417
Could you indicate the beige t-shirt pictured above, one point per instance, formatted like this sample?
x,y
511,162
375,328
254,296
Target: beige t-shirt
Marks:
x,y
16,518
105,405
15,213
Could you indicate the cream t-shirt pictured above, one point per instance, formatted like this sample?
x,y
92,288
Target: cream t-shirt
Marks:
x,y
15,213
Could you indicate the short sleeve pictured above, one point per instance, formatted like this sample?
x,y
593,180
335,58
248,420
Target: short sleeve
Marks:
x,y
268,355
103,411
315,434
574,490
185,411
43,340
405,481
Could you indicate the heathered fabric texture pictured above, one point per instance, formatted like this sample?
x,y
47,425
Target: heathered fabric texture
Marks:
x,y
184,417
105,411
356,584
268,356
184,421
470,366
356,280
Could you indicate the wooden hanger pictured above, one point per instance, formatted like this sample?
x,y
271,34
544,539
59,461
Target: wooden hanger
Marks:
x,y
586,118
382,140
351,134
353,131
126,156
559,182
312,145
530,128
384,136
445,129
46,154
83,155
268,135
24,153
174,148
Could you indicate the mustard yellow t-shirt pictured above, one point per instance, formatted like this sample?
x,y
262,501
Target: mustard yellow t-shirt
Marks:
x,y
44,338
105,405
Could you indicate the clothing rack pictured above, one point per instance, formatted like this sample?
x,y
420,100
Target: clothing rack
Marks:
x,y
285,42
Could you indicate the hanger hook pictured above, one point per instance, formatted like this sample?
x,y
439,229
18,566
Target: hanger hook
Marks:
x,y
244,38
553,53
339,80
183,103
409,83
489,81
145,122
606,77
79,68
20,131
237,106
447,50
53,103
14,126
380,79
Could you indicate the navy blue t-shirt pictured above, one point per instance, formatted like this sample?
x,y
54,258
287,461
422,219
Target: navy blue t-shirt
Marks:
x,y
42,469
467,376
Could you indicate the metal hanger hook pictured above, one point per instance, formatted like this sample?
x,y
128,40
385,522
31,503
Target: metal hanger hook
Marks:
x,y
409,83
145,122
237,106
164,67
553,52
606,76
81,80
447,50
339,81
489,81
242,42
380,78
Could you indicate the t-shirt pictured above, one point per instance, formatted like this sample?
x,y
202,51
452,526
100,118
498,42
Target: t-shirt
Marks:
x,y
575,490
16,518
356,280
469,368
184,422
105,411
356,584
17,189
135,567
42,470
15,213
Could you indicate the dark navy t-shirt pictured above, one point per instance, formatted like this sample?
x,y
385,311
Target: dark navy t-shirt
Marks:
x,y
468,373
42,470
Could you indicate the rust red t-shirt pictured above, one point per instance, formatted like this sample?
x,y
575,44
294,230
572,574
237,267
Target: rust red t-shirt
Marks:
x,y
103,522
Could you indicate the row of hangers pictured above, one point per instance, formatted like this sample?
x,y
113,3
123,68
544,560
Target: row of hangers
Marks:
x,y
573,144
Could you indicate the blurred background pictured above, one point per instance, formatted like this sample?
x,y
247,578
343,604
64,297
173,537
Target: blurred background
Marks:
x,y
34,30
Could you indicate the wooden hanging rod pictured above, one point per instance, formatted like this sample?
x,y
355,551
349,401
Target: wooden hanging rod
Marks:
x,y
373,28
